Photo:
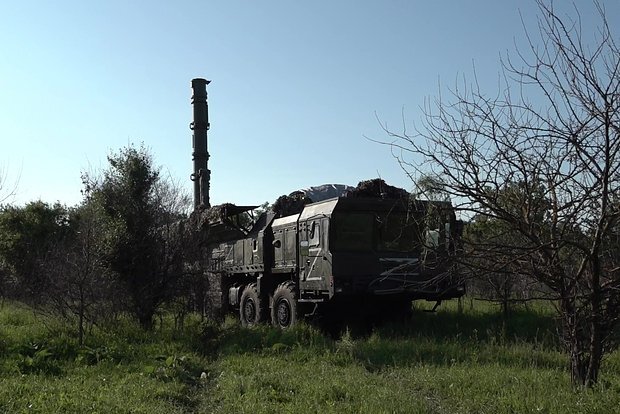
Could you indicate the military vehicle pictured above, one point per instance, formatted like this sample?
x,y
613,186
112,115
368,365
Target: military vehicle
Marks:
x,y
371,249
355,254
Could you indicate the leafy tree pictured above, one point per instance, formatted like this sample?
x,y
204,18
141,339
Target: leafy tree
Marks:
x,y
141,209
568,141
26,235
431,187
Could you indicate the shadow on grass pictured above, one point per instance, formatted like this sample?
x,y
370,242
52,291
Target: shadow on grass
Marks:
x,y
526,339
522,326
233,339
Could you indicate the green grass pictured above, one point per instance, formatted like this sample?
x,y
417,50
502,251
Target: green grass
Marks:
x,y
119,370
446,362
474,362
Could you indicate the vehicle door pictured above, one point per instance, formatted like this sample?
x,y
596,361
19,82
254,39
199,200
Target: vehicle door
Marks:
x,y
315,262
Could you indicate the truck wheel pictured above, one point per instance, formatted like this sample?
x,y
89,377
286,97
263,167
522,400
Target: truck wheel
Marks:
x,y
284,310
251,309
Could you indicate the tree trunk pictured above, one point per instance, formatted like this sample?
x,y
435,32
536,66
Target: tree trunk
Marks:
x,y
145,316
146,322
585,345
81,327
596,357
577,364
595,348
81,319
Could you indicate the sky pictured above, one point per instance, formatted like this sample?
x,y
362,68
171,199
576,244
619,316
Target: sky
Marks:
x,y
299,88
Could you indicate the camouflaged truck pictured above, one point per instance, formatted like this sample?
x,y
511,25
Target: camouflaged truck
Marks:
x,y
344,255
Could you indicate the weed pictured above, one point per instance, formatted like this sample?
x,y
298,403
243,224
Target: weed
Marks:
x,y
176,368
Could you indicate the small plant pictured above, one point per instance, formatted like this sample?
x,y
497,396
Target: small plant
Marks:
x,y
96,355
346,344
176,368
37,359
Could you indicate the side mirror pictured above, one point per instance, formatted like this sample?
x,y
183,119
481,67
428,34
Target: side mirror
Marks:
x,y
304,248
277,244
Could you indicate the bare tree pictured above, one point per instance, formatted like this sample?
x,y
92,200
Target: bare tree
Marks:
x,y
6,190
565,140
493,277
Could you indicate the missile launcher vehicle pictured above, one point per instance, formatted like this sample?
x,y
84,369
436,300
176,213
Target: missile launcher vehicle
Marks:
x,y
368,248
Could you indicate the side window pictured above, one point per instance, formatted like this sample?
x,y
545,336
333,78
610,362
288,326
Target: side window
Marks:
x,y
314,236
278,244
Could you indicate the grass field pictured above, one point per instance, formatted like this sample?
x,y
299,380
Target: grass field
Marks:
x,y
446,362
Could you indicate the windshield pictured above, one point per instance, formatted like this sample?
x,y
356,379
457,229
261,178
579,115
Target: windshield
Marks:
x,y
385,232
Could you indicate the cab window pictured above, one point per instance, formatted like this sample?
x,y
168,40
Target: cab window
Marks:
x,y
314,234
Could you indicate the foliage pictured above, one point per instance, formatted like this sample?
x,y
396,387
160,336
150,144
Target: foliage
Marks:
x,y
55,260
26,235
141,209
121,248
432,188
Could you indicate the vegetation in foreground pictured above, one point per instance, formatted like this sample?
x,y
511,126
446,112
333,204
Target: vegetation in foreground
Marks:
x,y
443,362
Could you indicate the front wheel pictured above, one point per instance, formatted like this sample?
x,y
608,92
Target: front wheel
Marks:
x,y
284,310
251,307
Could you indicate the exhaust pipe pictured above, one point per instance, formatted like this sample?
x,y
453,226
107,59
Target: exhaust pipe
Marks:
x,y
200,125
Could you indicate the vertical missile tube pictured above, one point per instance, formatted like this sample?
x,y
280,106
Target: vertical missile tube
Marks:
x,y
200,125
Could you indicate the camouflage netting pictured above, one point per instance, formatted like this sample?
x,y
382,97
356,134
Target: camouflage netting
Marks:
x,y
211,225
377,188
293,203
200,228
201,216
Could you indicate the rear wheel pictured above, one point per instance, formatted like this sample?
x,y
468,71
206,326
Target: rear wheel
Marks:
x,y
251,309
284,310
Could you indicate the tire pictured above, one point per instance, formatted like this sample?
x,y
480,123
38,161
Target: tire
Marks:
x,y
251,307
284,310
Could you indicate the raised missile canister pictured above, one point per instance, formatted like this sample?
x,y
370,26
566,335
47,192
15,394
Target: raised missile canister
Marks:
x,y
200,125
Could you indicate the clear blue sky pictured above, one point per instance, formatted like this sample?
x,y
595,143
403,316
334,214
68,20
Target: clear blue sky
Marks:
x,y
296,84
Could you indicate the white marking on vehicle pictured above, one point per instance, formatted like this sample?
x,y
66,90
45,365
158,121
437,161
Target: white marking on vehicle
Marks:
x,y
400,263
